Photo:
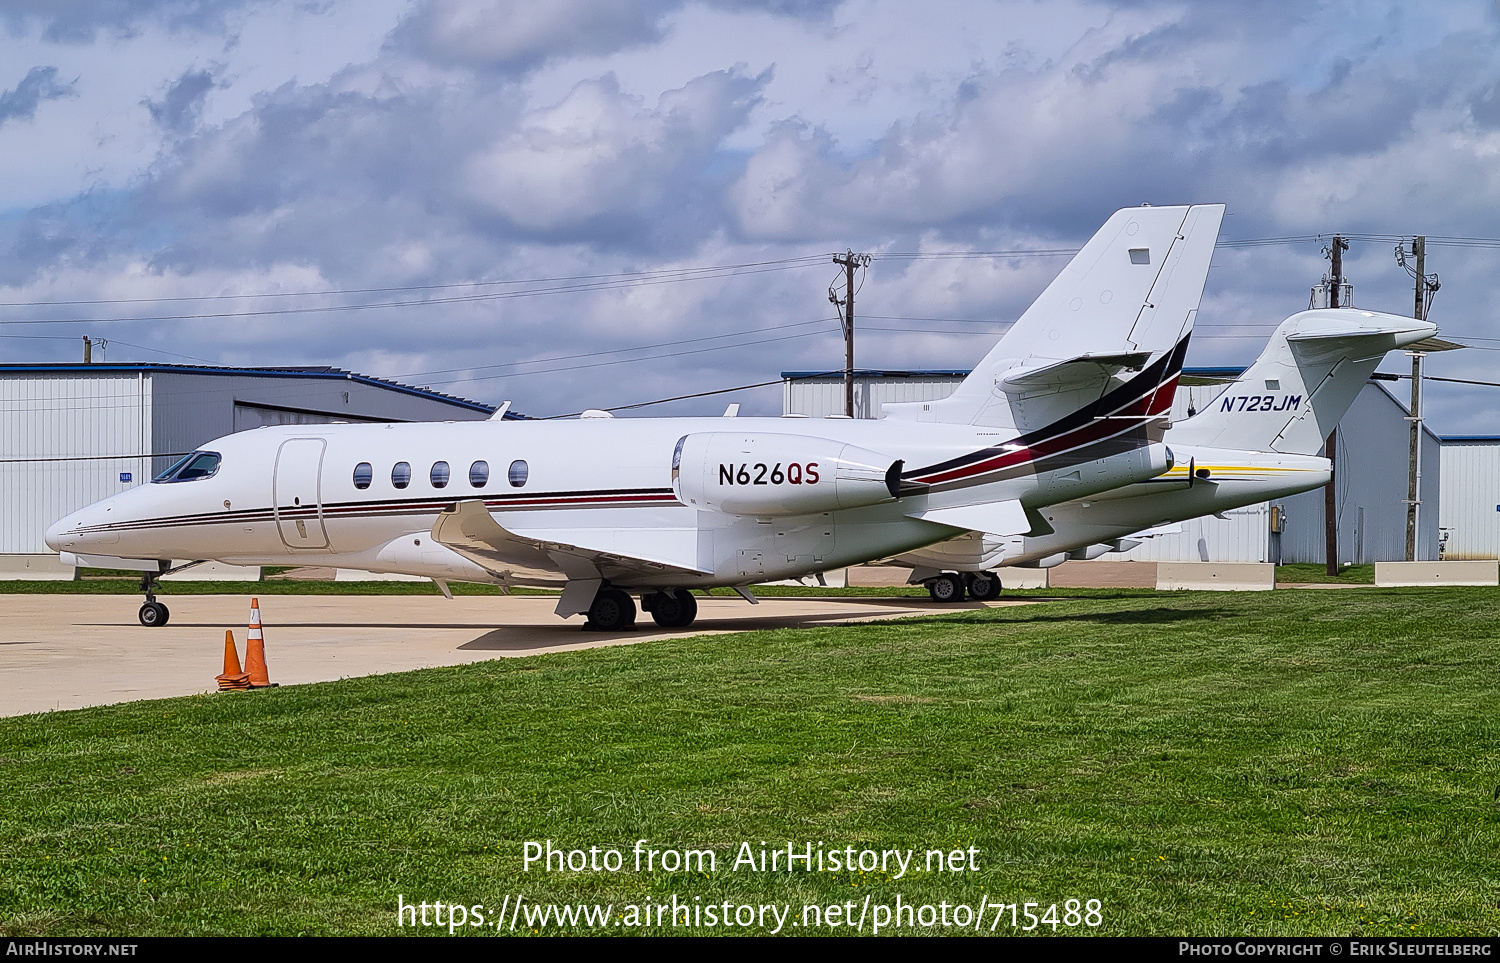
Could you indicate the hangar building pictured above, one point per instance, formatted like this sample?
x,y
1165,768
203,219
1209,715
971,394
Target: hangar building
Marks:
x,y
71,434
1470,509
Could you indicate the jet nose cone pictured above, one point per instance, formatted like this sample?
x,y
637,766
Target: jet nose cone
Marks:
x,y
69,533
54,535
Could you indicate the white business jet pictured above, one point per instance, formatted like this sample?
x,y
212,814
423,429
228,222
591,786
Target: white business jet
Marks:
x,y
1070,403
1256,441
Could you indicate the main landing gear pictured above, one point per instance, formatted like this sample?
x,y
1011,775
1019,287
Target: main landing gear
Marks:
x,y
152,614
614,610
674,609
953,586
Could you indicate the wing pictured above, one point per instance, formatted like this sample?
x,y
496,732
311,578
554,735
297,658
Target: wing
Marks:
x,y
580,555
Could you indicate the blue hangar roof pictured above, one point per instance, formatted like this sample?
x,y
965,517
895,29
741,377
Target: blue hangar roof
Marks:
x,y
326,372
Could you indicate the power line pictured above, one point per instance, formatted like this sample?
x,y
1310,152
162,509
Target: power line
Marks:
x,y
802,259
594,354
465,299
662,401
963,255
603,364
132,403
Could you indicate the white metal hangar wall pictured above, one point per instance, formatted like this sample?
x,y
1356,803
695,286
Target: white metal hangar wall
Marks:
x,y
1470,509
1371,488
819,394
1370,481
71,434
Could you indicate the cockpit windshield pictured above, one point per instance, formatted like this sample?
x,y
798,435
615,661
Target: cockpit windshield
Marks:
x,y
191,467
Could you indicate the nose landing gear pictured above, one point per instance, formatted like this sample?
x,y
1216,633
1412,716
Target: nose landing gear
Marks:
x,y
152,614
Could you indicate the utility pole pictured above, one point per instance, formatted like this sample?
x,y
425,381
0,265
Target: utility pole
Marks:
x,y
88,350
1330,447
1425,286
849,261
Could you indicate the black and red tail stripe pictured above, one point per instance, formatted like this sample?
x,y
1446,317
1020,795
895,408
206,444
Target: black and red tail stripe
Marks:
x,y
1120,420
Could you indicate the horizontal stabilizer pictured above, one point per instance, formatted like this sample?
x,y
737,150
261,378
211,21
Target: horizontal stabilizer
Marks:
x,y
993,518
1081,372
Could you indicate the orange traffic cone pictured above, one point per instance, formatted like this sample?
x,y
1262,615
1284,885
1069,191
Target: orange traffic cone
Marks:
x,y
233,677
255,651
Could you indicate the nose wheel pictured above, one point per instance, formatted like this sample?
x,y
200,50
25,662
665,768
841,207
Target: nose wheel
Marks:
x,y
153,614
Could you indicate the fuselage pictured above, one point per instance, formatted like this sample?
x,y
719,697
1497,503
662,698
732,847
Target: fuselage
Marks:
x,y
368,496
1203,481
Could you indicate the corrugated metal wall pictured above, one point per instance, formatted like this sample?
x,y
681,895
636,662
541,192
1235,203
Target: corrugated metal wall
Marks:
x,y
97,424
193,407
1470,509
1242,535
1371,482
818,398
105,420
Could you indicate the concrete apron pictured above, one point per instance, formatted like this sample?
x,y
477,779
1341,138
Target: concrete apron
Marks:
x,y
71,651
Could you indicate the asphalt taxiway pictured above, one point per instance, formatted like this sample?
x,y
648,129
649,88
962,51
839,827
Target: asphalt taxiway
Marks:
x,y
71,651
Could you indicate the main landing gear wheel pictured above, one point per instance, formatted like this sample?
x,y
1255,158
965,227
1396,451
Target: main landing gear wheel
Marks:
x,y
946,588
983,586
153,614
612,611
672,610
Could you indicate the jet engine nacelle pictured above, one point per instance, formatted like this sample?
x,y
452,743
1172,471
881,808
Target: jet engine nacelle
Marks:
x,y
771,475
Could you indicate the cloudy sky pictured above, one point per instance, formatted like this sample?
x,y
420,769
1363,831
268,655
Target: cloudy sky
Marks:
x,y
574,204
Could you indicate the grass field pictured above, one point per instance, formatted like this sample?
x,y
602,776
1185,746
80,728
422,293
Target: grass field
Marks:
x,y
1212,764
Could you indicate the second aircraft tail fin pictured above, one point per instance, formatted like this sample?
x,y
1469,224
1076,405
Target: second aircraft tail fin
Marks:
x,y
1302,383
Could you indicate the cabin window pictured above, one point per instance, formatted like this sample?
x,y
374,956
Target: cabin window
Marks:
x,y
517,473
363,475
401,475
191,467
439,474
479,473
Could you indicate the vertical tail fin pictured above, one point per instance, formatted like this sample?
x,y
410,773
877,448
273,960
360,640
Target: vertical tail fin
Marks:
x,y
1124,302
1302,383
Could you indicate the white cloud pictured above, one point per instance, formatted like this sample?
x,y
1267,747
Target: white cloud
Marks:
x,y
599,155
515,35
385,144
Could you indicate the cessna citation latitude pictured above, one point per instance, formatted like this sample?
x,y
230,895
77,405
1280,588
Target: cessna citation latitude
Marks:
x,y
1070,403
1258,440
